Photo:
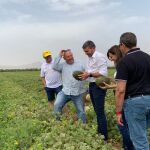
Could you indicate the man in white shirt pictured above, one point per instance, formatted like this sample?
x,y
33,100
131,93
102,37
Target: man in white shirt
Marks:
x,y
51,78
96,67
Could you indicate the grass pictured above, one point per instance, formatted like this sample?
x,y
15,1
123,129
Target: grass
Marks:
x,y
27,124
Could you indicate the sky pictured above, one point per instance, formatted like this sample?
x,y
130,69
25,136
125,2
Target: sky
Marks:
x,y
27,27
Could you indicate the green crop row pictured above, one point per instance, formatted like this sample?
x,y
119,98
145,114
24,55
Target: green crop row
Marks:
x,y
27,124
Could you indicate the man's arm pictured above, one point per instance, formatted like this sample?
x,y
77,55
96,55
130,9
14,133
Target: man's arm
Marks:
x,y
95,74
43,81
101,69
120,93
57,64
85,75
42,74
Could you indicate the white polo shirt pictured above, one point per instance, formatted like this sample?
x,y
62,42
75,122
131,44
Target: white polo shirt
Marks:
x,y
52,77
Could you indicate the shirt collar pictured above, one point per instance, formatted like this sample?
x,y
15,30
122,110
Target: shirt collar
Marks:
x,y
133,50
94,55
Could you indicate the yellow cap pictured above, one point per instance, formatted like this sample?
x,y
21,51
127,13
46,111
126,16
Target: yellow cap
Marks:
x,y
47,53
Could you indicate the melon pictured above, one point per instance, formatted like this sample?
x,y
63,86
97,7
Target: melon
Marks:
x,y
99,81
76,74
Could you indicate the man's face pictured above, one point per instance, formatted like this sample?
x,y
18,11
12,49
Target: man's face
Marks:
x,y
89,51
48,59
68,56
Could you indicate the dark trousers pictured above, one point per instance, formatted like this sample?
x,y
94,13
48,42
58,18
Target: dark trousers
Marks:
x,y
98,100
127,143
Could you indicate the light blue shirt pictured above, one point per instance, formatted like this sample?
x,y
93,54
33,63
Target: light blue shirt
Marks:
x,y
71,86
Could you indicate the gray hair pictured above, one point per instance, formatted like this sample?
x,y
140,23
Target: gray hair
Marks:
x,y
89,44
128,39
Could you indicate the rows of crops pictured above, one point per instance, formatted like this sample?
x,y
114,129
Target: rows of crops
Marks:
x,y
26,123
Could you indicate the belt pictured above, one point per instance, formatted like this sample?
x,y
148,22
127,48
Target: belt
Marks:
x,y
92,83
137,95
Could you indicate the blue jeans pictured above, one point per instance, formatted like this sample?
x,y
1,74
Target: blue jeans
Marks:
x,y
62,99
124,130
137,113
98,100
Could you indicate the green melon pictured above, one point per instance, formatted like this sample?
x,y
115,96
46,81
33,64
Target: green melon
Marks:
x,y
99,81
76,73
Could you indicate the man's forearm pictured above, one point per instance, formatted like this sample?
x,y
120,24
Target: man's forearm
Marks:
x,y
95,74
120,93
119,101
43,81
56,64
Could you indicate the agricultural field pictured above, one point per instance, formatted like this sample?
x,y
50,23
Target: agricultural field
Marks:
x,y
26,123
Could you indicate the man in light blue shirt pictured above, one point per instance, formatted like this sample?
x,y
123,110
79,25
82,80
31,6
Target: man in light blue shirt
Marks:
x,y
72,88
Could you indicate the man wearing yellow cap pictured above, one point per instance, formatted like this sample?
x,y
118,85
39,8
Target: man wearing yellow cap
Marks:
x,y
51,78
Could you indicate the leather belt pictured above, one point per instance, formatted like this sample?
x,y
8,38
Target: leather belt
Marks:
x,y
138,95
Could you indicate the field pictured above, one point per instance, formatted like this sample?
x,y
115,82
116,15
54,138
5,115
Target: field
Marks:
x,y
26,123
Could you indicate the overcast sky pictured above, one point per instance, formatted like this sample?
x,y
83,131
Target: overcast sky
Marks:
x,y
27,27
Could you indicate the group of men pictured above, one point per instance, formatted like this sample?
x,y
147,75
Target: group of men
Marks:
x,y
132,91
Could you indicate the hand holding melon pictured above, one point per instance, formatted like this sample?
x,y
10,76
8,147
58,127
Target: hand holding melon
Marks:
x,y
76,74
105,83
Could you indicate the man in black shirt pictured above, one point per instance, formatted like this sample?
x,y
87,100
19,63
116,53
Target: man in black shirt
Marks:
x,y
133,90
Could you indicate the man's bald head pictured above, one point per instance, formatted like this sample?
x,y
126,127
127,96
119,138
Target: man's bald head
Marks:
x,y
68,56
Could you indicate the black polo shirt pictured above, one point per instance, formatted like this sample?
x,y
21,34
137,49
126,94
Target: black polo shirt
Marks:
x,y
134,68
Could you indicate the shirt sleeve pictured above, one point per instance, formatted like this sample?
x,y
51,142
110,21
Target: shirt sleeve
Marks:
x,y
122,71
57,65
102,66
42,72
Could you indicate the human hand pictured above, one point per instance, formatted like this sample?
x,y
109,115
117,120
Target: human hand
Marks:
x,y
83,76
108,86
119,118
113,81
62,53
